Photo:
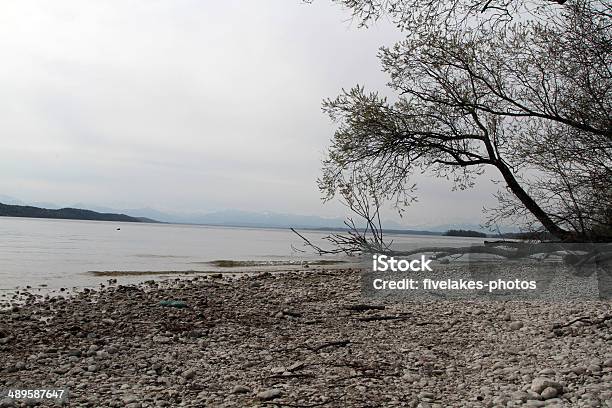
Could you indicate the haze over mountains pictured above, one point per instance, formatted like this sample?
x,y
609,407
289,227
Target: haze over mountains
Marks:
x,y
237,218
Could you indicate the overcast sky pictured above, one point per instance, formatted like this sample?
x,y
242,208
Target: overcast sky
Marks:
x,y
185,105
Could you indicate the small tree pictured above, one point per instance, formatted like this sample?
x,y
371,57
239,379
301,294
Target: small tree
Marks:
x,y
358,194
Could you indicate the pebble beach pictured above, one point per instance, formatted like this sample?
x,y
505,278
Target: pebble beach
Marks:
x,y
307,338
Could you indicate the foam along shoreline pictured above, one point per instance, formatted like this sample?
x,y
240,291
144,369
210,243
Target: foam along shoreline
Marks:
x,y
224,266
302,339
231,263
148,273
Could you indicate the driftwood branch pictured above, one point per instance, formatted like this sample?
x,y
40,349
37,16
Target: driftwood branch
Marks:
x,y
364,308
292,375
376,318
577,255
584,319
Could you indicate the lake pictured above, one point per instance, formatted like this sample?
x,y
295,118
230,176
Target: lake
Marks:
x,y
74,253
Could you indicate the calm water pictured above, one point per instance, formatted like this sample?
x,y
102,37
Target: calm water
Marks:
x,y
63,253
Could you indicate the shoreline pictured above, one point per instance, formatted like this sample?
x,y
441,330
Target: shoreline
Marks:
x,y
32,293
302,339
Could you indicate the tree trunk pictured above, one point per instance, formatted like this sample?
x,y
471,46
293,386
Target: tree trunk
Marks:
x,y
531,205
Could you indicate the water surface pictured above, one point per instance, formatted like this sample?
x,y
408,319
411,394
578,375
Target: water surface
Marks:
x,y
75,253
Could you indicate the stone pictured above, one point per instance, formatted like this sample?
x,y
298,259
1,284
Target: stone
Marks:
x,y
129,398
410,377
547,371
533,395
63,369
594,368
269,394
519,396
540,384
427,394
549,392
516,325
197,334
161,339
7,402
189,374
240,389
295,366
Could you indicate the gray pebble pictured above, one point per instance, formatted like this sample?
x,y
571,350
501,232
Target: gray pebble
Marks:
x,y
549,392
516,325
540,384
269,394
189,374
240,389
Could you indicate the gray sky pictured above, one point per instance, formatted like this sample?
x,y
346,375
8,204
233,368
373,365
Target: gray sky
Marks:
x,y
185,105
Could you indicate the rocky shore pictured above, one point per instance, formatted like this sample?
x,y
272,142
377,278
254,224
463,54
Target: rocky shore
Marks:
x,y
303,339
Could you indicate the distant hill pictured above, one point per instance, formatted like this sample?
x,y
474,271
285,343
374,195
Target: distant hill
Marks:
x,y
7,210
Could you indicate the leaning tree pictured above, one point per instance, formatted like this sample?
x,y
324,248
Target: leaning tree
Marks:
x,y
523,88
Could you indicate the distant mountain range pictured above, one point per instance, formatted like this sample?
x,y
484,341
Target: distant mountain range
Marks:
x,y
238,218
7,210
230,218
